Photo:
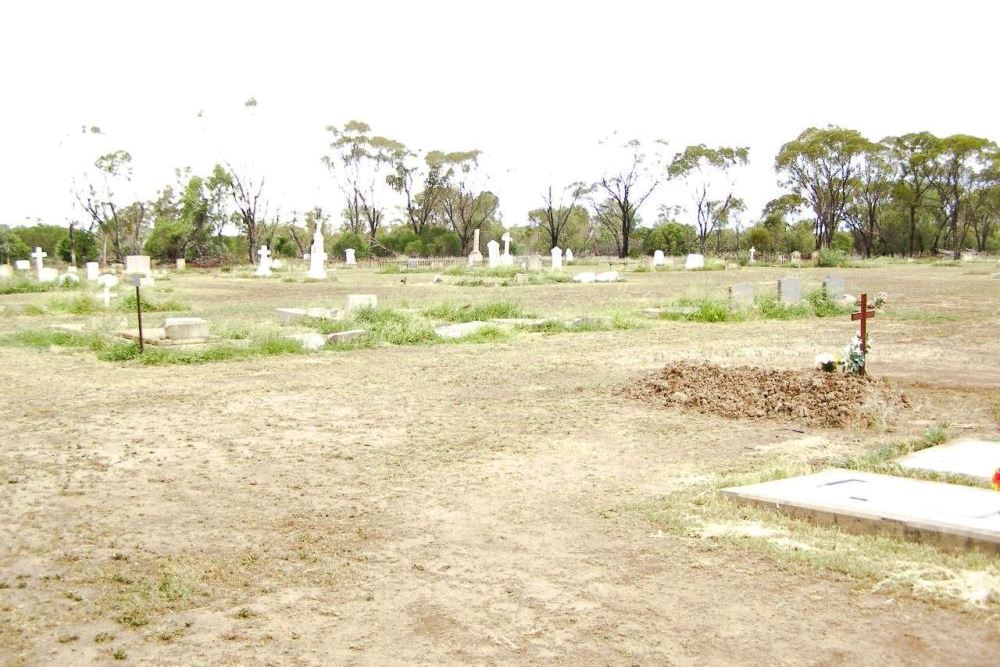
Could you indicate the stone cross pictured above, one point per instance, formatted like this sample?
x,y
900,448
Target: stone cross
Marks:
x,y
753,251
264,266
506,243
864,315
38,256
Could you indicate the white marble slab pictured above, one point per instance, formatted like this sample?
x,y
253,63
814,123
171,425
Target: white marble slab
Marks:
x,y
973,458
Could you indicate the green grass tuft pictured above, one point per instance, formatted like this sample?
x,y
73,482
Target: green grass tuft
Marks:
x,y
469,313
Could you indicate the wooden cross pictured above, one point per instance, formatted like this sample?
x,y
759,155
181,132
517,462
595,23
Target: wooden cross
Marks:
x,y
864,315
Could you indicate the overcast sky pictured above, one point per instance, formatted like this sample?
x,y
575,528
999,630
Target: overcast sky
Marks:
x,y
534,85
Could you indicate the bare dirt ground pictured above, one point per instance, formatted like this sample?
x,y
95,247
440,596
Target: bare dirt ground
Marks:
x,y
458,504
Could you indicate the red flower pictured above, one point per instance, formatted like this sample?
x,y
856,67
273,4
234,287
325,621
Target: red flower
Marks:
x,y
996,480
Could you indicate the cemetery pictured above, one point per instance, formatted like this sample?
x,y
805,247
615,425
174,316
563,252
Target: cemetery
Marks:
x,y
401,333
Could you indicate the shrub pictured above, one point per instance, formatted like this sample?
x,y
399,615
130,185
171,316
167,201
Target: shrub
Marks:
x,y
831,258
469,313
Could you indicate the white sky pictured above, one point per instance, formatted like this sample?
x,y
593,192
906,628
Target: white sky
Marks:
x,y
535,85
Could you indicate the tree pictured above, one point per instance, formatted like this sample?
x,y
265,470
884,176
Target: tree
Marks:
x,y
103,207
465,204
618,195
423,184
358,159
913,155
251,212
961,163
302,236
555,216
819,165
872,189
11,246
708,175
673,238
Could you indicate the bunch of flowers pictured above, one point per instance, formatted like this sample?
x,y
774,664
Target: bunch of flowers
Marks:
x,y
996,480
827,362
881,299
854,356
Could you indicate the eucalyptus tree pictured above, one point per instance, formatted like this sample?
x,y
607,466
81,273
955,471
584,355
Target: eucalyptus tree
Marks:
x,y
556,214
358,163
120,221
820,165
872,191
466,203
251,217
962,161
423,181
618,195
913,155
708,174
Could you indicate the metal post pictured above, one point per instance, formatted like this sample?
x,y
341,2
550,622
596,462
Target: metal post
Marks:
x,y
138,310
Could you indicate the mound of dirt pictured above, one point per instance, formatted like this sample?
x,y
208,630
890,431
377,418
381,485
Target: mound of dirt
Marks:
x,y
748,392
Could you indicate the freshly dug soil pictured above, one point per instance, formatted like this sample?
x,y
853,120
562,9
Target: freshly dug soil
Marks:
x,y
748,392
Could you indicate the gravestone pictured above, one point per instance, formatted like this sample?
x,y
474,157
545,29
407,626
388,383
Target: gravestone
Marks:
x,y
293,315
569,256
475,257
741,296
138,264
106,282
349,257
789,291
796,256
48,275
317,257
607,277
814,256
359,301
22,264
659,259
864,502
585,277
493,250
833,287
264,265
694,261
6,271
276,264
93,270
973,458
535,263
185,328
39,256
753,254
557,258
460,329
506,259
181,264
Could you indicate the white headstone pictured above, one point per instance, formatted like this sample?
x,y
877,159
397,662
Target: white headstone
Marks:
x,y
585,277
694,261
276,264
349,257
106,282
659,259
317,257
138,264
557,258
48,275
493,248
475,257
185,328
181,263
358,301
789,291
38,256
607,277
6,271
93,270
22,264
569,256
753,253
264,265
979,459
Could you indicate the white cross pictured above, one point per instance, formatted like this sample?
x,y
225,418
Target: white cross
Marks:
x,y
264,253
38,255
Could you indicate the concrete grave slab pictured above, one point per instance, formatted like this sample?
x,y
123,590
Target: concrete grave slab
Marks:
x,y
789,291
292,315
741,296
460,329
947,514
519,321
359,301
972,458
345,336
185,328
833,286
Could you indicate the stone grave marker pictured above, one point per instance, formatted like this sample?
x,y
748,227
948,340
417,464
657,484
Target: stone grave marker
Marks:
x,y
569,256
93,271
833,287
48,275
753,254
789,291
181,263
22,264
585,277
475,257
535,263
264,265
741,296
39,256
138,264
6,271
694,261
317,257
865,502
185,328
493,249
359,301
979,459
607,277
349,259
460,329
659,259
106,282
557,258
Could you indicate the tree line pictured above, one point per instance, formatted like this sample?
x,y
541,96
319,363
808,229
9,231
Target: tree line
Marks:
x,y
907,195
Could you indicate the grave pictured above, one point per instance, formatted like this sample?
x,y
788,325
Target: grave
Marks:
x,y
345,336
138,264
310,341
93,271
659,259
753,254
349,259
557,258
181,264
741,296
569,256
317,257
39,256
506,259
293,315
979,459
460,329
865,502
264,265
585,277
694,261
6,271
185,328
359,301
796,256
106,281
833,287
519,321
789,291
493,248
535,263
48,275
22,264
607,277
475,257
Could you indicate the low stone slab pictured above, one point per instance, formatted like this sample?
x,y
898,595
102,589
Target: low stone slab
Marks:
x,y
185,328
670,310
588,321
972,458
156,336
345,336
519,321
68,327
358,301
864,502
310,341
293,315
459,330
